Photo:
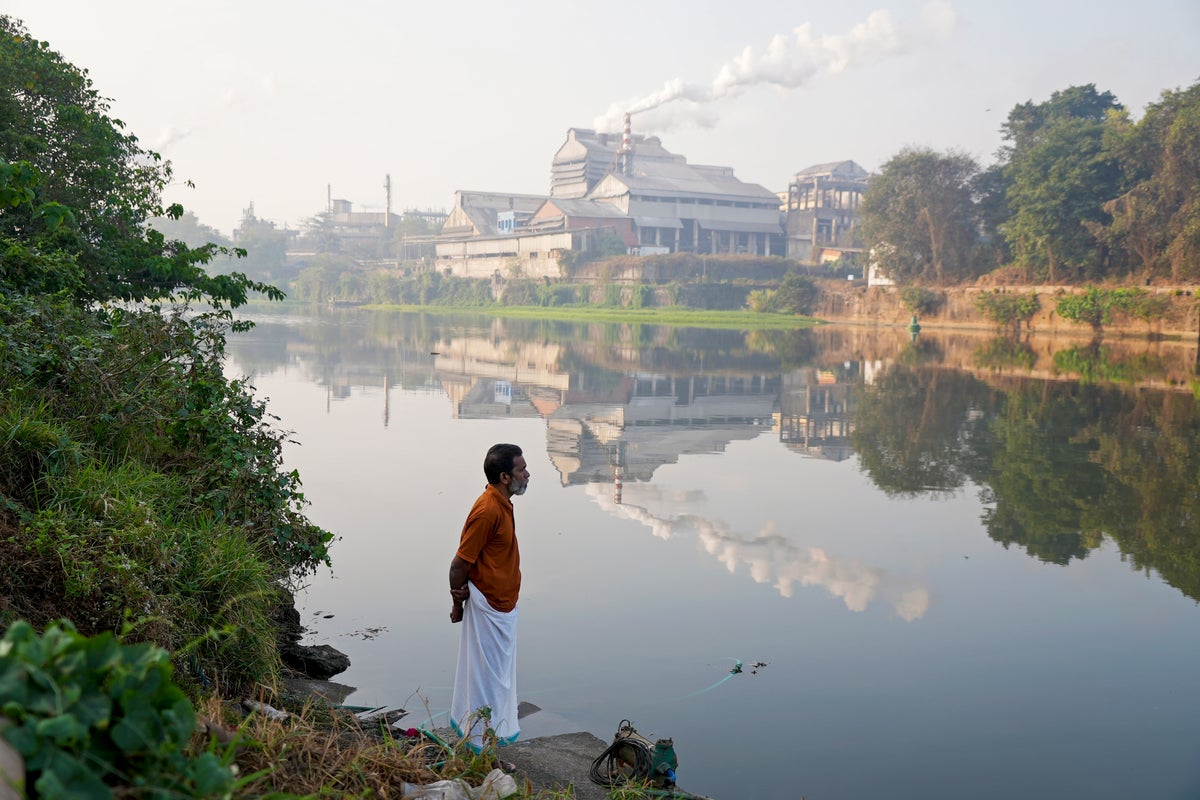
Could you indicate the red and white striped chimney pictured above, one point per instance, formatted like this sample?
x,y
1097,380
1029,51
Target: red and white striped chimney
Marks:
x,y
626,160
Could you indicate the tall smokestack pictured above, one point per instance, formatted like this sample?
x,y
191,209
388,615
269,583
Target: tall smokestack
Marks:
x,y
627,145
387,212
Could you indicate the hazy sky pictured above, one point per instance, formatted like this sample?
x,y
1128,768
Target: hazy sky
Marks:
x,y
271,102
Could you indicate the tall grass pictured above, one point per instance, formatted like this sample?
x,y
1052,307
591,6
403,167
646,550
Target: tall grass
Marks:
x,y
141,490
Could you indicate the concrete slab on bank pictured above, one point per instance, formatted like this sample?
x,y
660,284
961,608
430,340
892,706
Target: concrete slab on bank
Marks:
x,y
555,762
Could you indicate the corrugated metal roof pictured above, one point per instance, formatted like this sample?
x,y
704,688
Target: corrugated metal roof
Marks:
x,y
680,179
837,169
578,207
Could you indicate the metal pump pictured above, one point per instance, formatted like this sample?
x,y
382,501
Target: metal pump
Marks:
x,y
633,757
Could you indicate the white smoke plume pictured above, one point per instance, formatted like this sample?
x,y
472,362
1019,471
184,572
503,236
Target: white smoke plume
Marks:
x,y
169,135
787,62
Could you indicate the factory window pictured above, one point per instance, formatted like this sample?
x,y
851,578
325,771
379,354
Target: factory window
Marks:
x,y
533,253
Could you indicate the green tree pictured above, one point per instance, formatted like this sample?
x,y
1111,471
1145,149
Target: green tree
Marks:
x,y
265,246
188,229
54,120
1060,175
319,235
919,217
1157,220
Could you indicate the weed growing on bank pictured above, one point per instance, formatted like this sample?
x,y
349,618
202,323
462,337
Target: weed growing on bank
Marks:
x,y
138,483
98,717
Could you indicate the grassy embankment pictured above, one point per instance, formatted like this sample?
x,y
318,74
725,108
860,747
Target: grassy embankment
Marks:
x,y
671,316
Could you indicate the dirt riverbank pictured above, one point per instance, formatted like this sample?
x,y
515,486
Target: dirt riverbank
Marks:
x,y
882,305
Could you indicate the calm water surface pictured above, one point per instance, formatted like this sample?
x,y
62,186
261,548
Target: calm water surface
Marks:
x,y
966,572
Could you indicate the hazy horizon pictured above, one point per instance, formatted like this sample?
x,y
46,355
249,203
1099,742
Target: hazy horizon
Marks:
x,y
276,105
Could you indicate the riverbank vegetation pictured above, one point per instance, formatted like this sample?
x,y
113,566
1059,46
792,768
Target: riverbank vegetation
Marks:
x,y
1081,193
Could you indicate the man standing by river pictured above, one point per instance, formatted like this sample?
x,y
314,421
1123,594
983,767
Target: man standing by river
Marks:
x,y
485,580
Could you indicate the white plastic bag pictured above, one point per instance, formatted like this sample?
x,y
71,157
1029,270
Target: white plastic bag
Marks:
x,y
438,790
496,786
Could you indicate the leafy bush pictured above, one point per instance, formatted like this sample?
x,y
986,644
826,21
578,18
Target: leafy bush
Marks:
x,y
92,714
1094,307
1008,310
1097,306
797,294
920,300
529,292
760,300
642,297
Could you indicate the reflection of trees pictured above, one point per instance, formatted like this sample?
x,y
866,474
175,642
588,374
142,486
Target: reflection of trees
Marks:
x,y
1061,464
793,348
922,430
1042,481
1151,505
1005,352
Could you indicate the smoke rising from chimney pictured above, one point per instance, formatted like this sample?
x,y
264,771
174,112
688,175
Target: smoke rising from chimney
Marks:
x,y
787,62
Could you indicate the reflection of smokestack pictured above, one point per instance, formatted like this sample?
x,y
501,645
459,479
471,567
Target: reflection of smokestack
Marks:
x,y
627,146
617,487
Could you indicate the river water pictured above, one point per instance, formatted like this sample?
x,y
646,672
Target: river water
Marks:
x,y
950,567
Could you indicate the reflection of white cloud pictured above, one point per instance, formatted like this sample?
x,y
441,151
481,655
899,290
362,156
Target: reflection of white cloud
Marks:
x,y
770,557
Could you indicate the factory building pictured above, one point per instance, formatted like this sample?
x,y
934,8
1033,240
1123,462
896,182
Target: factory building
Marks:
x,y
489,213
631,187
587,156
491,235
821,211
672,206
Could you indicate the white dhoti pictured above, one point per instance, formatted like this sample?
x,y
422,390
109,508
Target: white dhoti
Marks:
x,y
486,676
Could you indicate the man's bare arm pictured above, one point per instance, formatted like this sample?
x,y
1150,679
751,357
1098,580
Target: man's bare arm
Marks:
x,y
458,587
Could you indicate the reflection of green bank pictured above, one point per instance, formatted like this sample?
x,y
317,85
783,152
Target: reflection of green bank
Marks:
x,y
1062,464
1004,352
1098,364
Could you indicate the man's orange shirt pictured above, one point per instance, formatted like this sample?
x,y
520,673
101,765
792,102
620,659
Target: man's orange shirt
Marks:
x,y
489,544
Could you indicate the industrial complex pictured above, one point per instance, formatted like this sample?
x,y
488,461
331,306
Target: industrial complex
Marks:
x,y
627,193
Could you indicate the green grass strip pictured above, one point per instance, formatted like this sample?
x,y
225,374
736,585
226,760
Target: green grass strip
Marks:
x,y
678,317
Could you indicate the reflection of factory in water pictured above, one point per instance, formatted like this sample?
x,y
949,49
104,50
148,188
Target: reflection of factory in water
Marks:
x,y
612,427
814,415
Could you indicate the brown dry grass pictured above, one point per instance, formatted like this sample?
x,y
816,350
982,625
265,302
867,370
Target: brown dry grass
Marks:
x,y
322,752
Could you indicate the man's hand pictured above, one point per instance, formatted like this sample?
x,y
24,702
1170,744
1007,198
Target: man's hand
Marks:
x,y
459,596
